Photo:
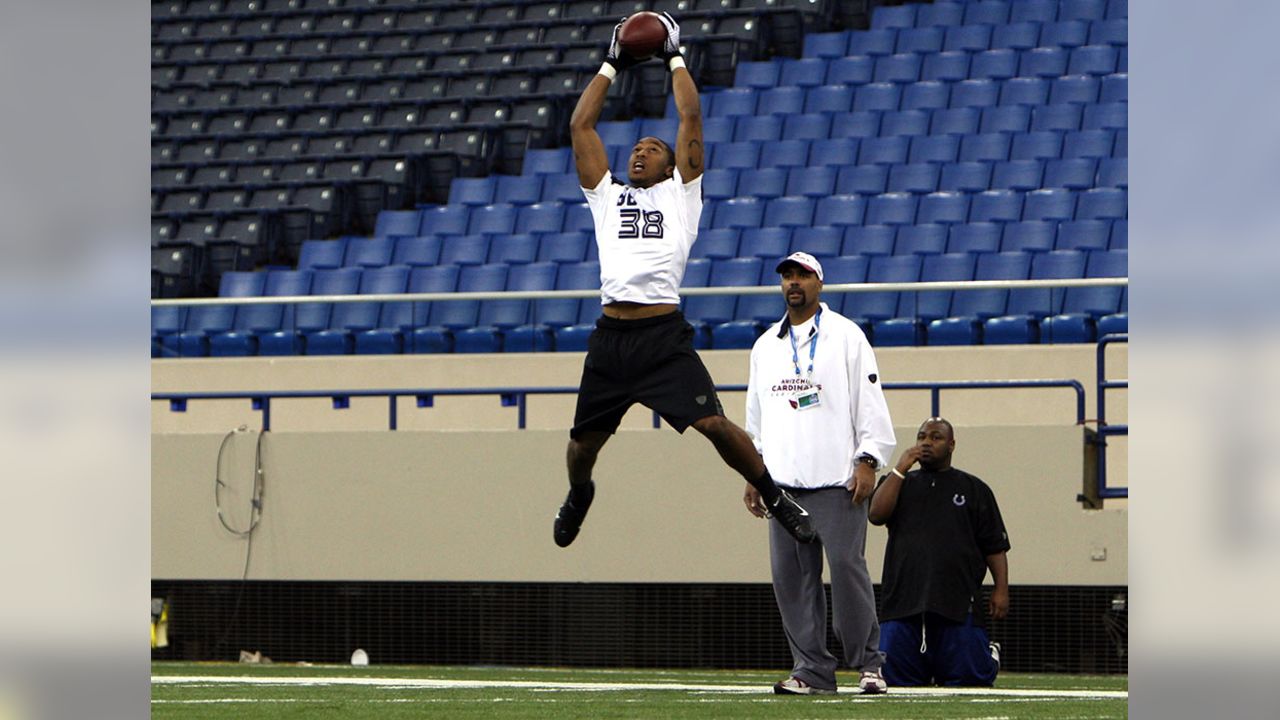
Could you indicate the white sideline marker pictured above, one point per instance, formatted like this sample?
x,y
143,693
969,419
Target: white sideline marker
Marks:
x,y
442,684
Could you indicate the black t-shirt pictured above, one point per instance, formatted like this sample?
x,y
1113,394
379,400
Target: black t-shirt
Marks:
x,y
940,534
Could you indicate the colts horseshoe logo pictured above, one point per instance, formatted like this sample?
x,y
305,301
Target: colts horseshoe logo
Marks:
x,y
958,499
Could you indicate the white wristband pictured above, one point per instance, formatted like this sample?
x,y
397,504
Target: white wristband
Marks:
x,y
675,62
894,471
607,70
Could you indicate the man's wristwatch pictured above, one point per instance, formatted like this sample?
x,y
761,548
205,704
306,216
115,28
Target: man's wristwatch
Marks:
x,y
868,460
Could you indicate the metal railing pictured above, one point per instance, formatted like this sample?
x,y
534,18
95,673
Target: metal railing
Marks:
x,y
519,397
1106,430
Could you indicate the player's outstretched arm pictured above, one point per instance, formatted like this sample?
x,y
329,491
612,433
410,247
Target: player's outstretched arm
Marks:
x,y
689,148
588,148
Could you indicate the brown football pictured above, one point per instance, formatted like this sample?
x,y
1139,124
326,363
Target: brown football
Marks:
x,y
642,35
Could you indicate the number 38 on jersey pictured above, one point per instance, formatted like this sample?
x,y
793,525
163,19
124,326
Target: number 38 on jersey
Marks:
x,y
637,223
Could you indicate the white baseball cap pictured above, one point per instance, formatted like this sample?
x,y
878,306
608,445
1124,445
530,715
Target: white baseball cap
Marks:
x,y
804,260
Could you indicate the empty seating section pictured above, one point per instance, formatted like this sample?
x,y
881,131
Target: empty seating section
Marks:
x,y
389,148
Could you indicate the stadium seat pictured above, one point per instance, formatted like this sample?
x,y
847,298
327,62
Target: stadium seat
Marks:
x,y
916,178
1024,91
926,95
1000,64
884,150
1007,119
974,238
901,16
1084,235
1017,35
717,244
719,183
322,254
921,239
442,220
733,101
1029,236
839,210
1117,9
778,101
766,183
784,153
540,218
756,74
349,319
716,309
862,179
812,182
982,304
1114,88
456,315
464,250
472,191
868,240
943,14
1077,89
966,176
995,206
831,153
943,207
1017,175
821,241
882,269
950,66
739,155
853,70
955,331
759,128
517,249
1088,144
1043,62
873,96
1072,173
563,312
1103,203
1041,302
1056,204
986,147
806,126
805,72
934,149
766,243
1011,330
967,38
1036,145
875,42
397,222
1113,324
1064,34
891,208
1063,117
518,189
824,45
741,212
904,123
738,334
903,67
987,12
1082,9
1106,116
835,99
1113,172
862,124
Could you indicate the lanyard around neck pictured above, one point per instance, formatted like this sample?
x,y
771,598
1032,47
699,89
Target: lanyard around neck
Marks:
x,y
813,344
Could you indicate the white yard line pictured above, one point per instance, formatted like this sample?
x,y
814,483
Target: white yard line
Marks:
x,y
443,684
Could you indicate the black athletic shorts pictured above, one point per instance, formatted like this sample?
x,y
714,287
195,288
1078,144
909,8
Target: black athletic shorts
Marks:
x,y
648,361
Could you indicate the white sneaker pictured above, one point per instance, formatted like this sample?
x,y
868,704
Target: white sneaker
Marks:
x,y
795,686
995,651
872,682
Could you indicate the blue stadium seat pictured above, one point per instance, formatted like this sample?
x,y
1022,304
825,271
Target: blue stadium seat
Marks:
x,y
551,161
1033,10
1082,9
739,334
412,318
664,128
949,66
982,304
562,312
1011,330
1106,116
1057,204
1062,118
540,218
921,239
966,176
788,212
1029,236
898,332
1109,32
1119,235
1068,329
464,250
716,309
349,319
1117,9
853,70
369,252
1115,88
1088,144
806,126
618,132
1121,147
717,244
733,101
472,191
975,93
456,315
779,101
737,155
835,152
742,212
1000,64
926,95
577,218
876,96
1024,91
564,247
719,183
573,338
424,250
891,208
874,42
166,323
898,68
758,127
518,249
784,153
564,188
322,254
1078,89
1103,204
955,331
820,241
831,99
934,149
1006,119
868,240
766,183
862,179
1036,145
767,243
1064,34
1113,172
942,14
844,270
882,269
935,304
1016,36
861,124
1094,60
443,220
756,74
901,16
1112,324
883,150
945,207
812,181
506,314
967,38
908,123
987,12
1043,62
974,238
1084,235
914,178
397,222
718,129
311,318
1017,175
1041,302
824,45
805,72
1071,173
995,206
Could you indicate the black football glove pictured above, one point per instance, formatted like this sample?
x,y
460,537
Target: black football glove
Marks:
x,y
670,48
615,57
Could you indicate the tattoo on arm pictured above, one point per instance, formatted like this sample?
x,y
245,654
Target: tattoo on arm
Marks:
x,y
695,154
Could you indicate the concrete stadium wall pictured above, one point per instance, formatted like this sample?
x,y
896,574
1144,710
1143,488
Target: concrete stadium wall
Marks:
x,y
459,494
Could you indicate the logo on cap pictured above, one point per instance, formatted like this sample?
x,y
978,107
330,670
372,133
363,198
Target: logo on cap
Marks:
x,y
804,260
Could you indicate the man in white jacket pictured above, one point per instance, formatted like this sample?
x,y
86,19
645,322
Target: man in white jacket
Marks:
x,y
817,414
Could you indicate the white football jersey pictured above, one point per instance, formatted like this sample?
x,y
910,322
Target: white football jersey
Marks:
x,y
644,236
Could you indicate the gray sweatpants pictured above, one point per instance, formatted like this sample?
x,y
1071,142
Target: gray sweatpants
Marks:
x,y
797,585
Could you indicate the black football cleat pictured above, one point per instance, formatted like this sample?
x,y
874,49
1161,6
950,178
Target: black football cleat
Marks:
x,y
793,518
569,519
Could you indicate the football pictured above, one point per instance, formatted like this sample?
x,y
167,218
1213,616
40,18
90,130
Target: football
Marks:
x,y
642,35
